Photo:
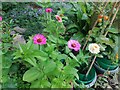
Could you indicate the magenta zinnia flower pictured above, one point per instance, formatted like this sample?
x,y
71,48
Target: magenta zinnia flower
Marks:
x,y
0,18
73,44
39,39
58,18
48,10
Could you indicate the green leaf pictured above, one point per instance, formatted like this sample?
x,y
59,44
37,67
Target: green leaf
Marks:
x,y
29,44
50,48
72,26
40,84
107,41
62,56
42,58
6,62
54,55
49,66
67,50
73,56
71,71
112,30
52,38
21,49
37,53
31,60
84,16
31,74
17,54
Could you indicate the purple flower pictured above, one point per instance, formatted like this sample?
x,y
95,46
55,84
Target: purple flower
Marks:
x,y
0,18
48,10
73,44
39,39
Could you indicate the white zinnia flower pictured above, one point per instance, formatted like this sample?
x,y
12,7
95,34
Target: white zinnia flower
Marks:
x,y
94,48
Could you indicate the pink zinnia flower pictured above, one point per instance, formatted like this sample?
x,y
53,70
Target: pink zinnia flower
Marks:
x,y
58,18
48,10
39,39
0,18
73,44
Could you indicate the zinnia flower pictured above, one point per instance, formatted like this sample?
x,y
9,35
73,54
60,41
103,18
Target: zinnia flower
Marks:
x,y
0,18
58,18
39,39
73,44
48,10
94,48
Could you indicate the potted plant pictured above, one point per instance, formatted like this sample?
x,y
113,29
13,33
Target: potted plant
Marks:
x,y
108,57
108,40
87,75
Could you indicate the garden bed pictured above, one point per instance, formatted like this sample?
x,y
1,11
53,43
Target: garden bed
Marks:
x,y
60,45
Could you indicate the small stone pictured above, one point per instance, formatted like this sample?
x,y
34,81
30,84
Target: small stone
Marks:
x,y
19,30
18,39
12,32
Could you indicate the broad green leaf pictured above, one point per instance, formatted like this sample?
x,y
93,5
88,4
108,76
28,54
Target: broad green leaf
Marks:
x,y
50,48
37,53
31,75
71,71
62,56
6,62
49,66
17,54
42,58
61,41
82,6
73,56
31,61
107,41
21,49
84,16
67,50
52,38
40,83
112,30
29,44
54,55
72,26
78,36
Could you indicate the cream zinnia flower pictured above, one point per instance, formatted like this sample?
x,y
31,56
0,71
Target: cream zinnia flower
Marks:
x,y
94,48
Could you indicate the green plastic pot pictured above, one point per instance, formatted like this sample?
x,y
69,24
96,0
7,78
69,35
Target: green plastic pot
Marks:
x,y
106,64
91,76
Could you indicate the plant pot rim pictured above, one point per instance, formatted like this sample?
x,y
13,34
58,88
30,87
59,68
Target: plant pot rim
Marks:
x,y
106,64
91,78
103,70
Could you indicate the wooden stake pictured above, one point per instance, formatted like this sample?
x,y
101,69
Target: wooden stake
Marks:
x,y
90,66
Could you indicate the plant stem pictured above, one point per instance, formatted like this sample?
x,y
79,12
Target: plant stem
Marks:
x,y
113,18
90,66
39,47
89,35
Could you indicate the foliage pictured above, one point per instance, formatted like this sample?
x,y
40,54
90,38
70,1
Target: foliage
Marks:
x,y
53,65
